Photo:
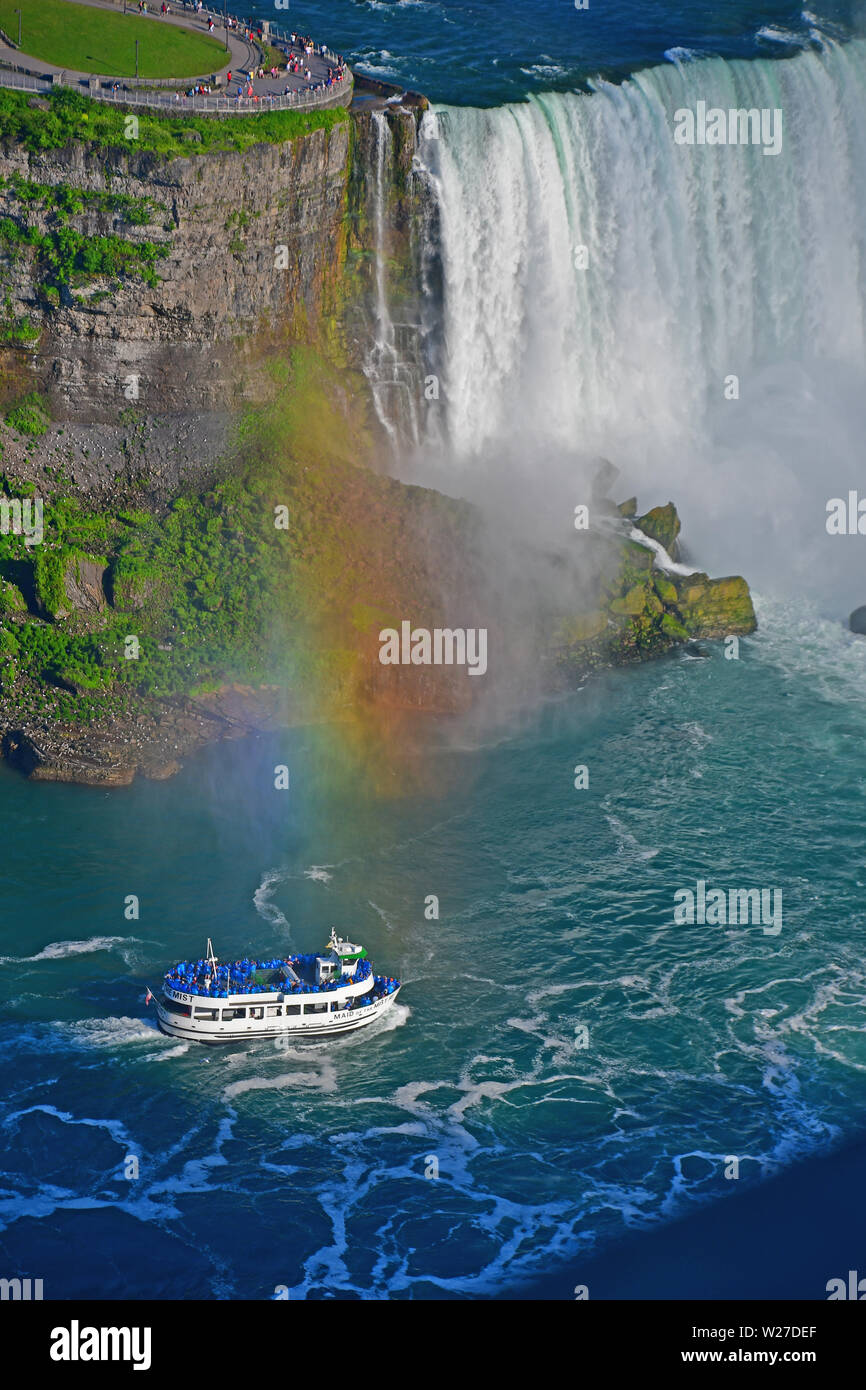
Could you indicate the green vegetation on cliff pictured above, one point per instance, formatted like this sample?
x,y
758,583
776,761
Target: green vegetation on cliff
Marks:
x,y
207,588
64,257
284,572
63,200
68,115
278,574
29,415
196,588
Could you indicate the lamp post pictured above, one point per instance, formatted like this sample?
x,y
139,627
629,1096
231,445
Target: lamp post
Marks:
x,y
136,57
226,22
18,12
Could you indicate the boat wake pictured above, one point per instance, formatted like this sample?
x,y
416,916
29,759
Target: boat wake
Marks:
x,y
59,950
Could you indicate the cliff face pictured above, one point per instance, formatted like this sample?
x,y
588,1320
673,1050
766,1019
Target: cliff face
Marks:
x,y
247,243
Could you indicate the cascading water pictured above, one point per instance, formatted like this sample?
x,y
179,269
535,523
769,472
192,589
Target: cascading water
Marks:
x,y
390,374
699,260
602,283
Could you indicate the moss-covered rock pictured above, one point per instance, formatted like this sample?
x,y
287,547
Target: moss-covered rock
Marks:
x,y
133,584
639,601
643,612
665,589
11,598
673,628
632,565
76,680
663,525
48,575
8,675
68,581
715,607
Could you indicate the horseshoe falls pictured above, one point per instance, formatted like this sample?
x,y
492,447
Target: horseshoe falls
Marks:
x,y
601,285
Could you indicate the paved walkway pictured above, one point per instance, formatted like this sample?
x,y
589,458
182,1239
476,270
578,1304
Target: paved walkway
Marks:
x,y
244,59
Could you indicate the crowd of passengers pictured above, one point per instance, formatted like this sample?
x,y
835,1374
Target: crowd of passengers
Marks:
x,y
196,977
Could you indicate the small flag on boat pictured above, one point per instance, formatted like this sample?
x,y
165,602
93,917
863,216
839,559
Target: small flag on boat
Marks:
x,y
148,997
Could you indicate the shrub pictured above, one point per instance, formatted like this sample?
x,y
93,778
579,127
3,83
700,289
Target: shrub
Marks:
x,y
29,416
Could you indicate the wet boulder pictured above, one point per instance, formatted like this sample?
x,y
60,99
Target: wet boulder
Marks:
x,y
857,621
662,524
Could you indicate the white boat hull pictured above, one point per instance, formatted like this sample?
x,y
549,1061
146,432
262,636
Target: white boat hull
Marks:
x,y
289,1029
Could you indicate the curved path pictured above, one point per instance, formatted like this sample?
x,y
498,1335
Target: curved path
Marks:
x,y
286,90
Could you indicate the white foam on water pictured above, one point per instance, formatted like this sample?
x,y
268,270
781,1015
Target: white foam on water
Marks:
x,y
520,1237
397,1016
112,1031
682,55
322,1077
380,912
316,1055
61,1035
798,640
549,70
408,1096
115,1128
179,1051
379,69
773,33
627,843
319,873
60,950
263,898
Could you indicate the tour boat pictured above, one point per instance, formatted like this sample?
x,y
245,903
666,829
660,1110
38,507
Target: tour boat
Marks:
x,y
302,996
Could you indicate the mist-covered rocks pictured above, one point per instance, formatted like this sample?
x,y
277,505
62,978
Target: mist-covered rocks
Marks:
x,y
643,611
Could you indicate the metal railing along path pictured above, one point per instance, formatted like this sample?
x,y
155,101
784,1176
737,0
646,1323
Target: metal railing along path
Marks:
x,y
211,104
178,104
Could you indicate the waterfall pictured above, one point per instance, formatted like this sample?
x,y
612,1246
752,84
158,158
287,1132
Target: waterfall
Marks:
x,y
602,284
387,367
701,261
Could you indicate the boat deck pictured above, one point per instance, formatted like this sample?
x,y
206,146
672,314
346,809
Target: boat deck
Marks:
x,y
289,975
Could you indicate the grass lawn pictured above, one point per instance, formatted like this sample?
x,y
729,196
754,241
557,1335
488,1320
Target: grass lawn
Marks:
x,y
84,39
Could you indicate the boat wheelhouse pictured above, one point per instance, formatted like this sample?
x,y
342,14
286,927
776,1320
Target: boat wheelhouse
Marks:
x,y
315,995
